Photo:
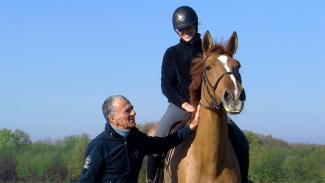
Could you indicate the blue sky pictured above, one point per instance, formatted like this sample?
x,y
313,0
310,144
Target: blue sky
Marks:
x,y
59,60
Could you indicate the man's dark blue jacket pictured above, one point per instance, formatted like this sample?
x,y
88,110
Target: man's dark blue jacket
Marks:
x,y
112,158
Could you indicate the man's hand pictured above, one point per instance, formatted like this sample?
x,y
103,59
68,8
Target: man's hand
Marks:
x,y
195,121
188,107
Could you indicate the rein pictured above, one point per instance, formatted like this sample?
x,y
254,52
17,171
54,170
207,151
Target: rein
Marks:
x,y
214,106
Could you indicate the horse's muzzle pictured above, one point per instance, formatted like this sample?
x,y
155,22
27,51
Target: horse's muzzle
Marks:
x,y
234,104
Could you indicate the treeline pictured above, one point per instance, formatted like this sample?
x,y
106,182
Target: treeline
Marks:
x,y
42,161
271,160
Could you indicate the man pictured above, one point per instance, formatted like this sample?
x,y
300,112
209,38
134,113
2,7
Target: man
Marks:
x,y
117,153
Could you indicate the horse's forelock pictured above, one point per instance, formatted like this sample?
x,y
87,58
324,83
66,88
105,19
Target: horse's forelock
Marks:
x,y
220,50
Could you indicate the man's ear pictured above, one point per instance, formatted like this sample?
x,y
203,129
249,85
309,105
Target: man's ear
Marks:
x,y
111,118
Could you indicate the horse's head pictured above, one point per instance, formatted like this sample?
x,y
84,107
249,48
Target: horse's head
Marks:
x,y
219,74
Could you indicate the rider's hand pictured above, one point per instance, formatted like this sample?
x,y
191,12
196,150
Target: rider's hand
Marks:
x,y
188,107
195,121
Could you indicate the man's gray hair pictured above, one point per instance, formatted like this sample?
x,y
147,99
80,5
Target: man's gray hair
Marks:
x,y
108,105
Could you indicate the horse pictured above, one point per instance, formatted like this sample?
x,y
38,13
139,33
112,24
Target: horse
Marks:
x,y
207,155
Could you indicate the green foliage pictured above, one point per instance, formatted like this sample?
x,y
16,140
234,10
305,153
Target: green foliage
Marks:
x,y
142,174
76,156
34,163
273,160
268,166
12,143
7,168
41,161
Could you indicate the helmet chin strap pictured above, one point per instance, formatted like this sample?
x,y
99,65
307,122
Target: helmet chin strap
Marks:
x,y
196,27
176,31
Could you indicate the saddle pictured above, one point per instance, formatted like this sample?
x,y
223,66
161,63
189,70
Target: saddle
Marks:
x,y
166,156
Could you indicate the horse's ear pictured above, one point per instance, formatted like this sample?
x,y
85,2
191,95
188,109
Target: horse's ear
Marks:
x,y
207,42
232,43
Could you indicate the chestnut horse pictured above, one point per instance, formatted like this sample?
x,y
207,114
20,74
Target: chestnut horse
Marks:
x,y
208,156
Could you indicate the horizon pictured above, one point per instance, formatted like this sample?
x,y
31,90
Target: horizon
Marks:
x,y
60,60
54,140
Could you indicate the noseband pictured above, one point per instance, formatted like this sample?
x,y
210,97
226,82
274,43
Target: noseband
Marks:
x,y
213,105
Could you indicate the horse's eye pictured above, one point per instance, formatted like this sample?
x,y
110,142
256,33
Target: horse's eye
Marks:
x,y
208,67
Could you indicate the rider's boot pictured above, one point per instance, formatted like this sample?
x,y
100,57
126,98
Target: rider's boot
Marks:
x,y
154,162
241,147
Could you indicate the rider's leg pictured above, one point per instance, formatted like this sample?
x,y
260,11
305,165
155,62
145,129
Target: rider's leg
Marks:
x,y
241,148
172,115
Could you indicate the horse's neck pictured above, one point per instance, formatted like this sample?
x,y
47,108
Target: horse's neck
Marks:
x,y
211,137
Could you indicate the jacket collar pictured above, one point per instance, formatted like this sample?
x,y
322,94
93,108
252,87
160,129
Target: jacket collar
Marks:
x,y
109,129
196,41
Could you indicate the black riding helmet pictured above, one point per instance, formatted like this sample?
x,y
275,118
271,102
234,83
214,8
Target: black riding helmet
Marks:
x,y
184,17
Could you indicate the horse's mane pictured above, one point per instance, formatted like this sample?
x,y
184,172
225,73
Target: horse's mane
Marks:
x,y
197,70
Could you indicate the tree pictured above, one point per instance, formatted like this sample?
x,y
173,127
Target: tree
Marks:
x,y
77,156
268,167
7,169
10,145
34,163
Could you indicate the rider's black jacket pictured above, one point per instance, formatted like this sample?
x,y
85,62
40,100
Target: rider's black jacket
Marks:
x,y
176,69
112,158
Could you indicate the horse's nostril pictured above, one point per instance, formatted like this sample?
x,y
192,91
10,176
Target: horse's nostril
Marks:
x,y
242,96
227,96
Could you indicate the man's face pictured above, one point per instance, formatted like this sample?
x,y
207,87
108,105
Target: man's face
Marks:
x,y
123,116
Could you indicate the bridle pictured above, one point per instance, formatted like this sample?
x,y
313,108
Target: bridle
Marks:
x,y
214,106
